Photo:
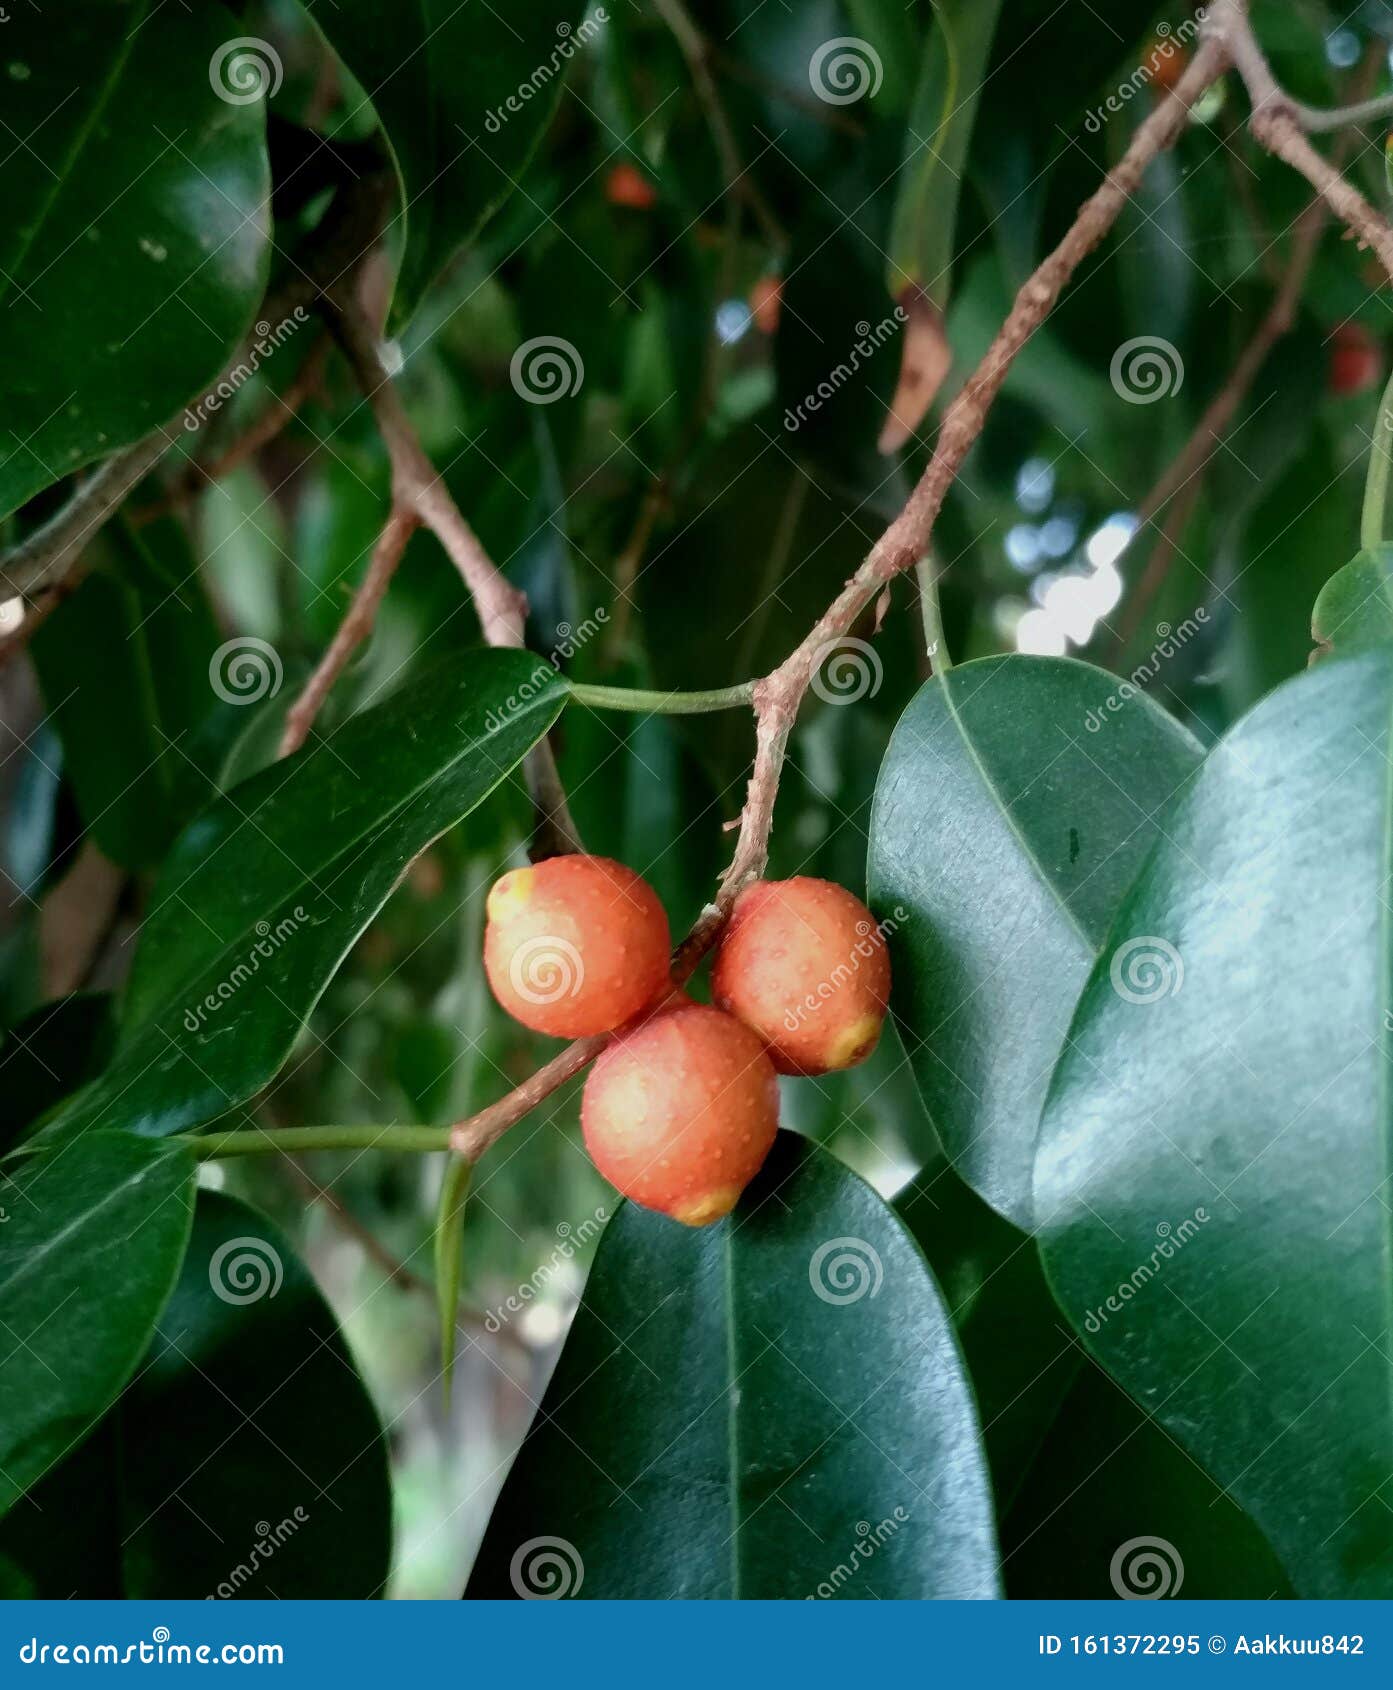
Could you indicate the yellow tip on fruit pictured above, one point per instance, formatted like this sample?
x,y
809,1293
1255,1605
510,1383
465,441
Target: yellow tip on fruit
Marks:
x,y
701,1211
854,1042
510,894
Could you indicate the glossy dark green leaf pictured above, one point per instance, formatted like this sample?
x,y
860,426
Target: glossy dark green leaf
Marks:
x,y
1355,608
50,1053
1115,1507
1211,1186
245,1459
1019,797
277,1484
263,893
125,669
135,239
91,1243
464,95
1019,1352
773,1406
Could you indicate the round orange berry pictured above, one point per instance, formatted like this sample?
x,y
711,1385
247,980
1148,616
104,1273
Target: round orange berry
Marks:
x,y
679,1113
804,964
575,945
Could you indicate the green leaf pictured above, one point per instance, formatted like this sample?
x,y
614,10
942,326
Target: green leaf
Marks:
x,y
1114,1505
924,222
90,1246
136,231
246,1459
1020,1354
264,893
1018,798
464,95
279,1444
124,665
773,1406
1354,609
1214,1155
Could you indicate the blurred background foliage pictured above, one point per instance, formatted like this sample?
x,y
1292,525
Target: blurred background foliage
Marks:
x,y
671,529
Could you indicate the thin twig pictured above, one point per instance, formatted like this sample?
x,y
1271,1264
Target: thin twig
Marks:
x,y
261,432
420,494
697,52
1185,470
352,631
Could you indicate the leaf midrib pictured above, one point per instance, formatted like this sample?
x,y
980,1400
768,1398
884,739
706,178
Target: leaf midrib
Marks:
x,y
998,797
125,1189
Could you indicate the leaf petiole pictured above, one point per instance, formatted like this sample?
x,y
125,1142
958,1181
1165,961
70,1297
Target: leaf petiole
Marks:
x,y
257,1141
652,703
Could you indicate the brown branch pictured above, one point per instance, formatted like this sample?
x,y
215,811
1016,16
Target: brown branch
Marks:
x,y
352,631
261,432
778,696
696,50
419,494
416,485
1280,123
1208,433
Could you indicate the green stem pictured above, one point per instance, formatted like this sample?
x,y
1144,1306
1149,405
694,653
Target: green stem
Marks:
x,y
210,1146
449,1228
1371,526
663,703
934,642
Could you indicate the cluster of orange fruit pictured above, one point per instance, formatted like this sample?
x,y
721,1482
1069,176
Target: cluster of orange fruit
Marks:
x,y
682,1107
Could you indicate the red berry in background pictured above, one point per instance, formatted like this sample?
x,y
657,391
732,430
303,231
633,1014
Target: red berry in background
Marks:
x,y
626,185
766,301
1356,361
575,945
803,963
679,1113
1164,62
